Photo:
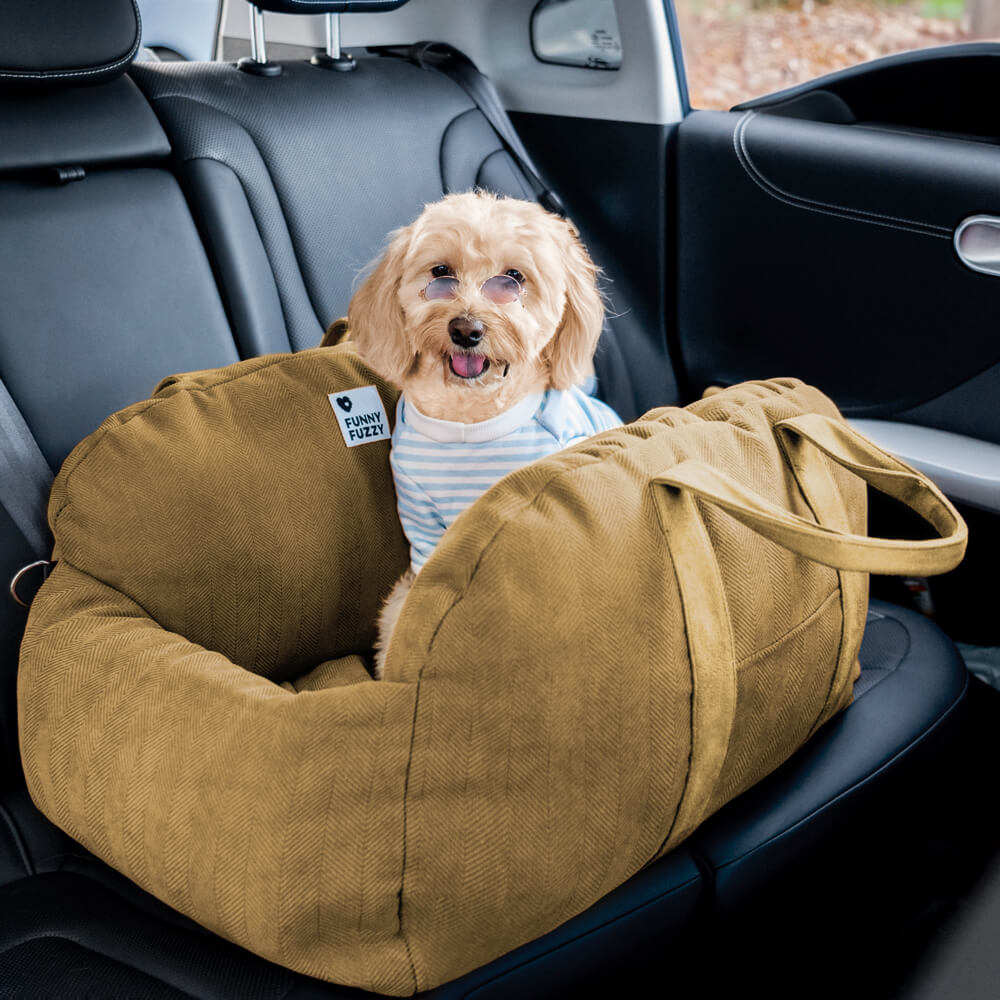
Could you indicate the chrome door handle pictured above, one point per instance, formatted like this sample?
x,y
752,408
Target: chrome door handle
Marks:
x,y
977,243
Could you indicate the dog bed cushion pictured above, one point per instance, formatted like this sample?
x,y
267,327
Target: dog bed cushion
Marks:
x,y
593,660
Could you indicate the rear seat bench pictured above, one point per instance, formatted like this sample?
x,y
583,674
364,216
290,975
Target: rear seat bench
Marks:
x,y
222,215
297,180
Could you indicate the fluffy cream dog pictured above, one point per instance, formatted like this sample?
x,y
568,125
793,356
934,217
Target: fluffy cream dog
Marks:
x,y
485,312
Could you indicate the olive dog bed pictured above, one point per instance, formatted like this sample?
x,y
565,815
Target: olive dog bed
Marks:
x,y
605,648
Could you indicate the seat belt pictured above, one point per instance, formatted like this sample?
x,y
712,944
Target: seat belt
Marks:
x,y
25,484
457,65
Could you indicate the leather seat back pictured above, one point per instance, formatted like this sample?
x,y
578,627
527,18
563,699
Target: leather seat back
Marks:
x,y
104,281
298,179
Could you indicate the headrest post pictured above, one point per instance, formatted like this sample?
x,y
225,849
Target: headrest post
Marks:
x,y
334,58
257,63
333,36
258,50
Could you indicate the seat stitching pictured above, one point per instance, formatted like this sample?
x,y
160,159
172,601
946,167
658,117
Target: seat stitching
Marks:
x,y
269,251
106,68
444,139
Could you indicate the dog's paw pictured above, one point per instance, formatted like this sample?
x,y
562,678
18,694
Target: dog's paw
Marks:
x,y
388,617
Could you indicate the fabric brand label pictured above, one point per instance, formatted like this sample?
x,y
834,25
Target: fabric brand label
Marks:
x,y
361,415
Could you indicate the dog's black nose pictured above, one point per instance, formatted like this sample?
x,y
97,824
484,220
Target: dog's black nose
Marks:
x,y
465,331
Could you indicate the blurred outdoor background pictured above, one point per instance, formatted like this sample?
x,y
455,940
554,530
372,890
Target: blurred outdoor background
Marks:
x,y
738,49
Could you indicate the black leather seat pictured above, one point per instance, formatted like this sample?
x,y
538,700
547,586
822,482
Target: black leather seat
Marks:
x,y
297,180
217,219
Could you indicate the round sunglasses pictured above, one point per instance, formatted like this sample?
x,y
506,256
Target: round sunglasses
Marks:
x,y
500,289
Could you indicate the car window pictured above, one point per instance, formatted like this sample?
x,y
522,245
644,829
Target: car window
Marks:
x,y
738,49
180,29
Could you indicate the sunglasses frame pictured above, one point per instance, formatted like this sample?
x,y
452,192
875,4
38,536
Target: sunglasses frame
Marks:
x,y
453,282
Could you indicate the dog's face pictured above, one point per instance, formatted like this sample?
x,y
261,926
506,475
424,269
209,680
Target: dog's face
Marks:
x,y
477,303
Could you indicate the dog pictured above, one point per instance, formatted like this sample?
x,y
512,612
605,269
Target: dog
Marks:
x,y
486,313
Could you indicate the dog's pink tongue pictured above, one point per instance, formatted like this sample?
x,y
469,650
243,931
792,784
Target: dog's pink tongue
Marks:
x,y
468,365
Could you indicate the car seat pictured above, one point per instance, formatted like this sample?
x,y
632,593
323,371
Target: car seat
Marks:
x,y
180,216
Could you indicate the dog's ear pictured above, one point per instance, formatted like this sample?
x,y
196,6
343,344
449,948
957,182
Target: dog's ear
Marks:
x,y
377,322
570,353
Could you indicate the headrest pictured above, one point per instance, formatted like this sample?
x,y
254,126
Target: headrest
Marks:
x,y
67,44
327,6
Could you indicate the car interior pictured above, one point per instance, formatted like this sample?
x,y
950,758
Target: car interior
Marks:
x,y
163,211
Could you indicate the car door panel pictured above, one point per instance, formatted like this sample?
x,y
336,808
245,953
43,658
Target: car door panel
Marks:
x,y
966,468
815,238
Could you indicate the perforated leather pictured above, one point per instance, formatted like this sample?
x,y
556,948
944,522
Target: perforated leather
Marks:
x,y
330,162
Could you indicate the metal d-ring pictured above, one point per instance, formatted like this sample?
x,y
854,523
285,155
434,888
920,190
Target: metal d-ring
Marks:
x,y
21,573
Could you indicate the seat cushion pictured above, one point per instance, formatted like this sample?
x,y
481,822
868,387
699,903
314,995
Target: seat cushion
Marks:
x,y
75,937
64,928
907,699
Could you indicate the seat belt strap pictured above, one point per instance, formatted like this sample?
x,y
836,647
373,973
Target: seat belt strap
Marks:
x,y
457,65
25,477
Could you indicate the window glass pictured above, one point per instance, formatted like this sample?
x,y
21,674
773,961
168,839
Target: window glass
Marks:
x,y
738,49
577,33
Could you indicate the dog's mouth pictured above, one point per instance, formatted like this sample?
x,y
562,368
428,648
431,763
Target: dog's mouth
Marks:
x,y
470,366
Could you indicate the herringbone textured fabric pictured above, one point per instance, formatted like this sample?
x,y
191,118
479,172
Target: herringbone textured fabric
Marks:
x,y
591,662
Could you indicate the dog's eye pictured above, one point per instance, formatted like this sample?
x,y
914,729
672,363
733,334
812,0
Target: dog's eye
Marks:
x,y
516,275
441,271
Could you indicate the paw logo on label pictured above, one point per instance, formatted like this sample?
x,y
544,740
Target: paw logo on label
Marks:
x,y
344,402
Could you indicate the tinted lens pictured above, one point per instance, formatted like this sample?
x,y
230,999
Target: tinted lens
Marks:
x,y
442,288
501,289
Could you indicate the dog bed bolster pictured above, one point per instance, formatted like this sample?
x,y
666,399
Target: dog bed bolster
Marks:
x,y
589,664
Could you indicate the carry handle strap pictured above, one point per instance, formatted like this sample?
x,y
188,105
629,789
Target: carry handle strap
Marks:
x,y
712,649
829,546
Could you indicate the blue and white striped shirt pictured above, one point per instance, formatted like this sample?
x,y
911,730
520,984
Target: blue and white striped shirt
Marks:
x,y
441,466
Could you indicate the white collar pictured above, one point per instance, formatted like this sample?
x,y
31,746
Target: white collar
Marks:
x,y
485,430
